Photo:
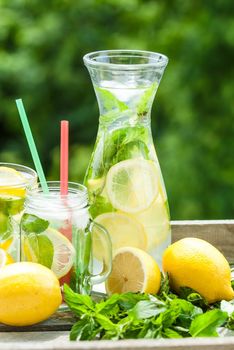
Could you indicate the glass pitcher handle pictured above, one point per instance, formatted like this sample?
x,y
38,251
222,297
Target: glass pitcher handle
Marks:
x,y
107,254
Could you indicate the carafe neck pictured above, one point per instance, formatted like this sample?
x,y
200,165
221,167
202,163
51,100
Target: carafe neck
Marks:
x,y
125,83
121,104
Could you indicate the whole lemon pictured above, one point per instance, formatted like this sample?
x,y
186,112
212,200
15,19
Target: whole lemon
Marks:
x,y
29,293
195,263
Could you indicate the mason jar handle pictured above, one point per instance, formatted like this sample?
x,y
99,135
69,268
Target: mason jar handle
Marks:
x,y
107,254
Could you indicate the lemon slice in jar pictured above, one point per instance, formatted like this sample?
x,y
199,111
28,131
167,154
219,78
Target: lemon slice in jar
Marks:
x,y
50,248
11,181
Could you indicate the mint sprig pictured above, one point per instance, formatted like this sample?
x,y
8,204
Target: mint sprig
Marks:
x,y
135,316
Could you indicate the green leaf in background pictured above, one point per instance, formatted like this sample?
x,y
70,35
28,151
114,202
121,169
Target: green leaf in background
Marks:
x,y
32,223
206,325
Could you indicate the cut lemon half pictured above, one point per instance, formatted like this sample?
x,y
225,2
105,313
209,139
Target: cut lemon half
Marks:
x,y
123,230
132,185
11,181
5,258
155,221
50,248
133,270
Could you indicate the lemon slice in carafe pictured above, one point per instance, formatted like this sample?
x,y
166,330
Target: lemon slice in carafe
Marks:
x,y
132,185
123,230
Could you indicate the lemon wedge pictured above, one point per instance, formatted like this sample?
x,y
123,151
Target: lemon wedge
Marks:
x,y
132,185
133,270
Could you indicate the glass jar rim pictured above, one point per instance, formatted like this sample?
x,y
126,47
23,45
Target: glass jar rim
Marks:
x,y
155,60
77,197
22,169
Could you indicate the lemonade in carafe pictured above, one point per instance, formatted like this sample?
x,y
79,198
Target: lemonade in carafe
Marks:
x,y
126,188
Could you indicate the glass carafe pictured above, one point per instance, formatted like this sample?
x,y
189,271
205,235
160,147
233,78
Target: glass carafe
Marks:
x,y
125,183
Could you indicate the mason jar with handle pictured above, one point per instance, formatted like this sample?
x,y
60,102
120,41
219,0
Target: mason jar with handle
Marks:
x,y
56,231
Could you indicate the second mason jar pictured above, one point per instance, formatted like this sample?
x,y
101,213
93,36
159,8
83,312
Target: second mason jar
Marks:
x,y
56,231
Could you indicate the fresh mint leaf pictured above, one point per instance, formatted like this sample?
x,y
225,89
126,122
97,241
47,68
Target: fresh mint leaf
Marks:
x,y
228,306
192,296
11,205
117,141
146,309
230,321
42,248
6,227
106,323
84,329
187,312
79,304
146,100
128,300
109,101
99,206
32,223
46,251
167,318
109,306
133,149
171,333
165,284
206,325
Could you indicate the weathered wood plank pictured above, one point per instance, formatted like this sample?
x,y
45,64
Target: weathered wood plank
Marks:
x,y
220,233
59,321
58,341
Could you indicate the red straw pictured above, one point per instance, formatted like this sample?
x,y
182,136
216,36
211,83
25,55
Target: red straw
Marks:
x,y
64,136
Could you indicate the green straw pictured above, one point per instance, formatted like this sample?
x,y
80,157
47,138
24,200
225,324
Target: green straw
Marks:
x,y
32,145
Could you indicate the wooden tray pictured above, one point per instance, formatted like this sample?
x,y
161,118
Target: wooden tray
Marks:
x,y
53,334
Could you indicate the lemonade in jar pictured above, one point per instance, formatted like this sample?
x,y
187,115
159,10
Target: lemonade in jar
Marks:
x,y
126,189
15,179
56,231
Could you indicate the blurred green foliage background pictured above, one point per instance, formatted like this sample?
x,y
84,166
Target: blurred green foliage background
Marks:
x,y
41,48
